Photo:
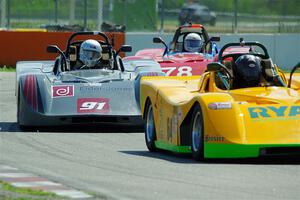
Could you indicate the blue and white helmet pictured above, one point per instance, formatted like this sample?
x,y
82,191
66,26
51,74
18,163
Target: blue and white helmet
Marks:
x,y
193,42
90,52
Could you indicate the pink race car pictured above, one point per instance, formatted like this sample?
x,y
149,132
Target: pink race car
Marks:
x,y
187,54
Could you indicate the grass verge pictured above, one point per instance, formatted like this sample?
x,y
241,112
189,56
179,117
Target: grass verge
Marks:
x,y
7,69
9,192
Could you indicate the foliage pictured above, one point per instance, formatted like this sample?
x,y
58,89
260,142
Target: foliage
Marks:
x,y
44,8
7,69
262,7
134,16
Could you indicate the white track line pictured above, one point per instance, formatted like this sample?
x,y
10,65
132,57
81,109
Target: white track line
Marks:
x,y
15,175
4,167
71,193
35,184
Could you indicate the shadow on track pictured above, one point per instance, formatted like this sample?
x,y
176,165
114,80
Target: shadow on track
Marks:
x,y
187,158
9,127
163,155
104,128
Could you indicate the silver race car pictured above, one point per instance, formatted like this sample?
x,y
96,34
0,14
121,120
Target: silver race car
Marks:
x,y
66,91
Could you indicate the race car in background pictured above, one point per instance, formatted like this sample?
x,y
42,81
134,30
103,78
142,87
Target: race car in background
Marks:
x,y
225,113
175,60
54,93
197,14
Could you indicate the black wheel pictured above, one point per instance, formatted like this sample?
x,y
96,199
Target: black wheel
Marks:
x,y
197,134
150,133
18,110
21,127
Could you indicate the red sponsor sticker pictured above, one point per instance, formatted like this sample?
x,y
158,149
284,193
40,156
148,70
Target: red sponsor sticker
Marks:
x,y
62,91
93,105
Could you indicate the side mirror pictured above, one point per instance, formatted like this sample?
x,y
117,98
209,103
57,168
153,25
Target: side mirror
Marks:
x,y
53,49
215,39
157,40
126,48
215,66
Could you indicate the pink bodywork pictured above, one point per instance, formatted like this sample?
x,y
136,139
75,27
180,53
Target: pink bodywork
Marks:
x,y
177,64
182,64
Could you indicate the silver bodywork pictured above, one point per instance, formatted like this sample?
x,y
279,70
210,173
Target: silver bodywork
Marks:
x,y
80,96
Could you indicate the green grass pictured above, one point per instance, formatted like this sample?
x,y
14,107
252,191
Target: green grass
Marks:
x,y
22,191
7,69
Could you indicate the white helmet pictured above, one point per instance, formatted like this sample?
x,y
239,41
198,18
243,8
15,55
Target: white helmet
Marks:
x,y
193,42
90,52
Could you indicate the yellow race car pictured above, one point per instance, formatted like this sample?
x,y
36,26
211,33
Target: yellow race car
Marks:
x,y
242,106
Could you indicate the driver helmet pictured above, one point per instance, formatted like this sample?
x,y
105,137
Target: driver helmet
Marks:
x,y
248,71
90,52
193,42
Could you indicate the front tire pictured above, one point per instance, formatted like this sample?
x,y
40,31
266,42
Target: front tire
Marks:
x,y
18,111
21,127
150,133
197,134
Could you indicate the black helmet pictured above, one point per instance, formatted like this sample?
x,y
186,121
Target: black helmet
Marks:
x,y
248,71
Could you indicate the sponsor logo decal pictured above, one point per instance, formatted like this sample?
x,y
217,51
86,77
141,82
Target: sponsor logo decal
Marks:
x,y
151,74
62,91
208,138
252,65
286,112
92,105
94,88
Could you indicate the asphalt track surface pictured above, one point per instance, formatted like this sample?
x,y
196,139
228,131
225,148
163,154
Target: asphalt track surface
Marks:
x,y
113,163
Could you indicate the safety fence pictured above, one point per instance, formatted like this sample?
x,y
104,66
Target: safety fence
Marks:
x,y
221,16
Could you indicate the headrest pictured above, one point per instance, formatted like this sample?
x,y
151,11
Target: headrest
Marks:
x,y
267,68
73,53
105,56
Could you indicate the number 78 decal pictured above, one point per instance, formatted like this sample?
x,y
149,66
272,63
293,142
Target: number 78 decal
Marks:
x,y
181,71
93,105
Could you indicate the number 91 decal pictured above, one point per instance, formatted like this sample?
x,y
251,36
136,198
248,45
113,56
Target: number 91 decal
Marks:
x,y
93,105
181,71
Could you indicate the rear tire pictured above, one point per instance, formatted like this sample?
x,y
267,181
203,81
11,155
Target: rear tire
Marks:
x,y
150,133
197,134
